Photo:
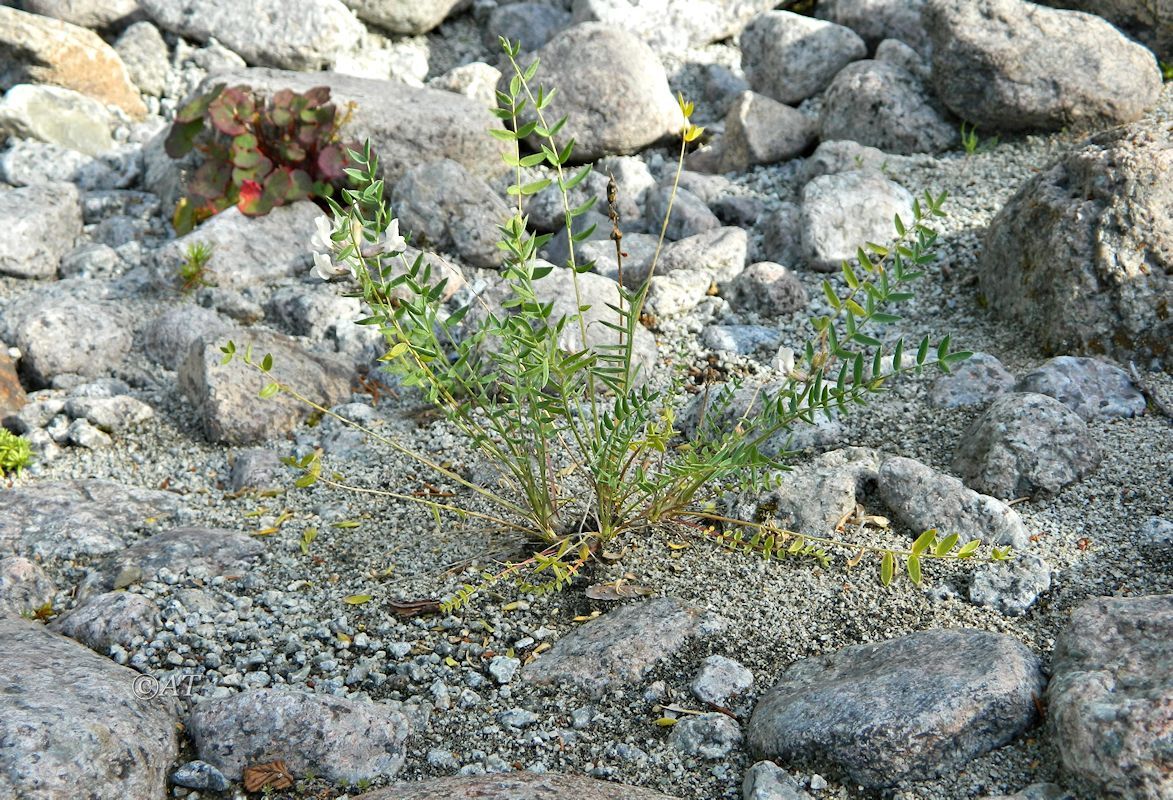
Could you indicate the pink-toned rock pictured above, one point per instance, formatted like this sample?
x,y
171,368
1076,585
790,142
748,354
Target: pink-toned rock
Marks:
x,y
36,49
12,394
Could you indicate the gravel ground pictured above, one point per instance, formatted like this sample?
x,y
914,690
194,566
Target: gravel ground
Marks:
x,y
779,612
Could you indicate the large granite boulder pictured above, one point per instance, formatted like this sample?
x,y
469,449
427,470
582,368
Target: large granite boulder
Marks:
x,y
1082,255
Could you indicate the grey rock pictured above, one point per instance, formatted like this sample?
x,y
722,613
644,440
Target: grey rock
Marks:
x,y
255,469
866,712
712,413
28,162
99,204
781,236
790,57
885,106
1088,386
1110,693
1014,65
166,339
719,253
117,231
516,718
230,303
813,497
148,62
923,498
760,130
1144,20
742,339
619,647
1026,444
448,209
611,87
768,289
35,49
34,415
216,550
532,24
546,212
84,338
200,775
323,316
710,736
673,25
1065,259
765,780
91,261
340,740
1156,532
72,725
843,155
109,414
24,587
503,668
1011,587
225,397
690,215
246,250
721,680
557,251
306,37
405,16
1036,791
513,786
877,20
85,13
109,619
677,292
596,291
58,116
899,54
82,434
638,247
841,212
476,81
976,381
25,215
441,124
722,87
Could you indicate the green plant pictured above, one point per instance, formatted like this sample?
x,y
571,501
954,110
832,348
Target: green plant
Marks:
x,y
257,153
15,453
973,143
1166,71
590,448
193,270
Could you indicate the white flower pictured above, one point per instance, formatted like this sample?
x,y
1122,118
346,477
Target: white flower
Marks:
x,y
324,229
326,269
391,243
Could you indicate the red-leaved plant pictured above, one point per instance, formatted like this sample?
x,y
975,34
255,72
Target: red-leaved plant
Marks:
x,y
257,153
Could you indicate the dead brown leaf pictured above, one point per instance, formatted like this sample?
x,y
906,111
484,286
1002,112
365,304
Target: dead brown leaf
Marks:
x,y
273,775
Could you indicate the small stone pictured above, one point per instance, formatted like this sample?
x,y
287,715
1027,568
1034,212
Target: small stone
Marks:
x,y
83,434
721,680
1026,444
25,213
768,289
24,587
709,736
1011,587
1088,386
976,381
844,211
109,619
503,668
741,339
765,780
517,718
1156,532
790,57
200,775
760,130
